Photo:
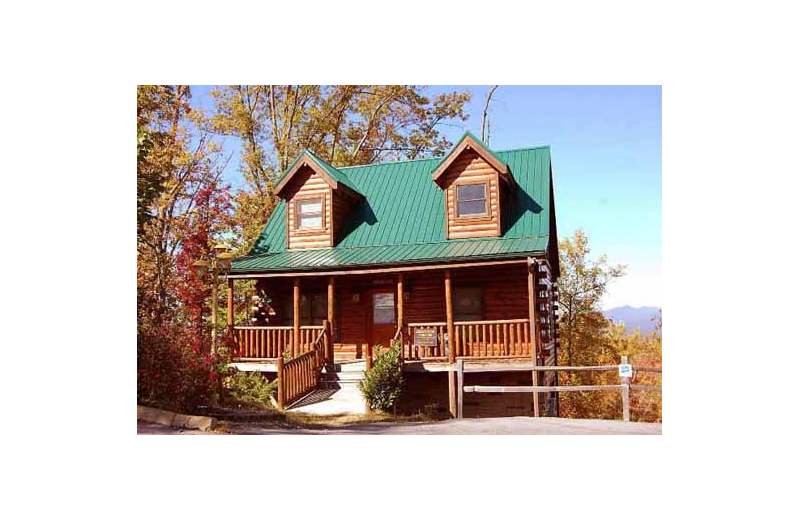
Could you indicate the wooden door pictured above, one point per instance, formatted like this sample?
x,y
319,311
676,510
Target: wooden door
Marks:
x,y
382,317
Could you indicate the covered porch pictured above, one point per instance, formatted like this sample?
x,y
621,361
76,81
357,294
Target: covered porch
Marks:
x,y
487,310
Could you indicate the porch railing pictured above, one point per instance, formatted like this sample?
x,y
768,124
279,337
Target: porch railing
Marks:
x,y
301,374
271,342
485,339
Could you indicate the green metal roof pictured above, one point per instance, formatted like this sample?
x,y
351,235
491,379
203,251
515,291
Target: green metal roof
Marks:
x,y
401,220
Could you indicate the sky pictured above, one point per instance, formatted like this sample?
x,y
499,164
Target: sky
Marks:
x,y
606,154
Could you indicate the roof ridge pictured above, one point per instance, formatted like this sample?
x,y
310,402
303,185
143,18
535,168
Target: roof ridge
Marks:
x,y
439,157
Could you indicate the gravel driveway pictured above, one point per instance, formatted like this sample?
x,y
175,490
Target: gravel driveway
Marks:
x,y
495,426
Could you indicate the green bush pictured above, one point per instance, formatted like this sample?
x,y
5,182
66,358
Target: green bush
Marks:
x,y
251,388
382,386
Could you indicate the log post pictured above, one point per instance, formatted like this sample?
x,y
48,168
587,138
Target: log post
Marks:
x,y
400,312
296,320
460,372
451,353
368,357
230,306
331,319
626,393
326,342
281,392
533,267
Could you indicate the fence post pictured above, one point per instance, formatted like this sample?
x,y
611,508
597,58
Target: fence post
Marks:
x,y
460,373
626,391
280,383
369,357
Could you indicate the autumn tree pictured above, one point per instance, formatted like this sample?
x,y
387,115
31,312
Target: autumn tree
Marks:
x,y
588,338
344,125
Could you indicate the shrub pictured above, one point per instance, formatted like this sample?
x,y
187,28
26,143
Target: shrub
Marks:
x,y
175,372
251,388
382,386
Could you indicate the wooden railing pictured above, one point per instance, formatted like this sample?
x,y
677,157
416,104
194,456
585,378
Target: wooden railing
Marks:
x,y
272,341
263,342
300,375
485,339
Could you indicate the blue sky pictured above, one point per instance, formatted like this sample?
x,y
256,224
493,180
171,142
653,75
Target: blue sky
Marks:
x,y
606,152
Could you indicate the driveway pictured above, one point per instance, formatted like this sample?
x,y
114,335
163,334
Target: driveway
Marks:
x,y
494,426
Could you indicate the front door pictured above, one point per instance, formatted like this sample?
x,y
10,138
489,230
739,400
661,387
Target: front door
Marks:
x,y
382,318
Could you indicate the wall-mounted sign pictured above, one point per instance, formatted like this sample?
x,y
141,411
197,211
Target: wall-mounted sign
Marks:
x,y
426,337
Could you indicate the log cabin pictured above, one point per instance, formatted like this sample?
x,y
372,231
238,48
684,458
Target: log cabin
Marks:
x,y
449,257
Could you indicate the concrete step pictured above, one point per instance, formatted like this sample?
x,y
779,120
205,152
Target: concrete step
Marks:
x,y
353,366
343,376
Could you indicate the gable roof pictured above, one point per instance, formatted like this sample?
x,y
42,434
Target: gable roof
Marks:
x,y
308,158
401,220
469,141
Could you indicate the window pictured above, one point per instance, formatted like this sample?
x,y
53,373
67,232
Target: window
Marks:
x,y
471,200
309,213
383,308
467,304
312,310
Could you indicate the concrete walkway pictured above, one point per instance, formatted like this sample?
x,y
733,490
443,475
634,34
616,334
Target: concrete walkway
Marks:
x,y
494,426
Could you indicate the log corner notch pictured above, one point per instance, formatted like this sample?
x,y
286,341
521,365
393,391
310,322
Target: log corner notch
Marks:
x,y
533,267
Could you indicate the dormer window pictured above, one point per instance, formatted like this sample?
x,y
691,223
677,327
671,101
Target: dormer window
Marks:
x,y
309,213
471,200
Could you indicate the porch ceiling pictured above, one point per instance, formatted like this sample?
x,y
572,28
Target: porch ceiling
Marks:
x,y
403,254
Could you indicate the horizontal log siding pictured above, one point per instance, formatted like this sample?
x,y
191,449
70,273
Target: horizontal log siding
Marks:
x,y
309,184
471,167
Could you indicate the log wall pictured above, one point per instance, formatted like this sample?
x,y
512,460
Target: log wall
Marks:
x,y
308,184
471,168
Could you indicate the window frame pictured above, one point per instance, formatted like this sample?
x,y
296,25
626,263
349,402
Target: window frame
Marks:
x,y
486,199
297,215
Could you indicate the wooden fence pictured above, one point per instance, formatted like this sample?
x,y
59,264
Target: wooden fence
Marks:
x,y
300,375
624,387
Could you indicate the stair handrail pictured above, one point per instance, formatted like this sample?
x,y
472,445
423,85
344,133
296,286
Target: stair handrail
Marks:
x,y
300,375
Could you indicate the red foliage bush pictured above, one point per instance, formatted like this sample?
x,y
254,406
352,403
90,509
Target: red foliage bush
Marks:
x,y
175,371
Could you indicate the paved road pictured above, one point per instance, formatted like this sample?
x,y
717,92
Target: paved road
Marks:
x,y
501,426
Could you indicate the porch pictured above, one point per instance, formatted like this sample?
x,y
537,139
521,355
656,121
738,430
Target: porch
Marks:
x,y
502,312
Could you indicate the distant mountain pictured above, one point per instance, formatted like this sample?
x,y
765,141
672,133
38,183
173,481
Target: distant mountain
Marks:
x,y
634,317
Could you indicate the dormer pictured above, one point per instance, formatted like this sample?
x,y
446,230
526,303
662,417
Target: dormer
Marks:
x,y
318,198
474,180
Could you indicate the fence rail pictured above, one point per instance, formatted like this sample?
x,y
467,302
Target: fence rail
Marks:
x,y
269,342
624,387
484,339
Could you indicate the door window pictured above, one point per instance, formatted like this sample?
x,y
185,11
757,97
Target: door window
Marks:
x,y
383,308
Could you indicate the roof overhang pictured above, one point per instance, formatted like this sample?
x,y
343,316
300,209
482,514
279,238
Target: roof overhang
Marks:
x,y
470,142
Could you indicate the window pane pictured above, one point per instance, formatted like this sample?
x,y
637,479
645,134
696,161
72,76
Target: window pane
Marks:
x,y
310,206
383,308
471,191
467,303
311,222
472,207
319,307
